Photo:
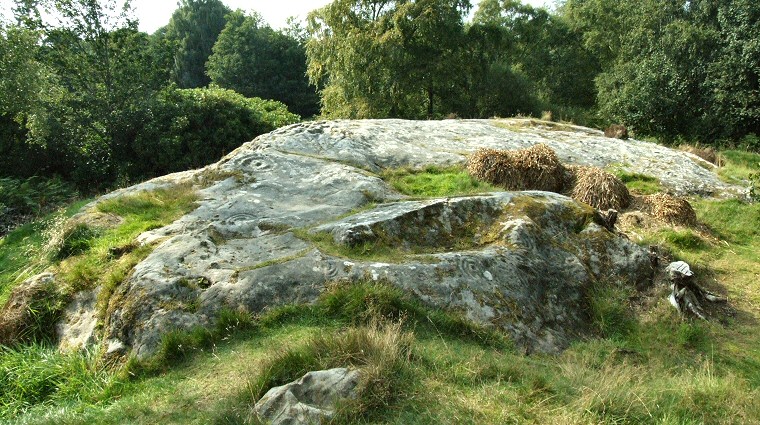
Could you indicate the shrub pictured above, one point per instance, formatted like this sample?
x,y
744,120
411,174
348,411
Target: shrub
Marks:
x,y
189,128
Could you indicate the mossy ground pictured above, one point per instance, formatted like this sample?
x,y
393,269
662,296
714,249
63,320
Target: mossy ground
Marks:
x,y
647,365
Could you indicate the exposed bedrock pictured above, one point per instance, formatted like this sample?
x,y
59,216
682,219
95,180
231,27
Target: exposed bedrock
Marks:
x,y
524,262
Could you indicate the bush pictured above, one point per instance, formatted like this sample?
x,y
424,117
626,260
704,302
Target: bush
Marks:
x,y
190,128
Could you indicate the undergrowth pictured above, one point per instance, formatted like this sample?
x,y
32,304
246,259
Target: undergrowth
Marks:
x,y
31,197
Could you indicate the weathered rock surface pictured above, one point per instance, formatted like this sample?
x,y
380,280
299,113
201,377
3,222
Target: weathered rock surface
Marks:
x,y
310,399
519,261
79,321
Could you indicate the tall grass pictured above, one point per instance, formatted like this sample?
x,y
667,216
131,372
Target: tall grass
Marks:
x,y
39,374
23,251
381,350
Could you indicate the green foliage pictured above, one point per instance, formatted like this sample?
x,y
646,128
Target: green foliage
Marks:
x,y
750,142
189,128
435,182
257,61
33,196
537,61
23,74
388,59
98,73
192,31
672,70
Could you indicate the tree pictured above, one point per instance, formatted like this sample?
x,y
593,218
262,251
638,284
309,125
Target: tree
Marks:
x,y
654,58
540,48
193,29
380,58
257,61
104,72
734,75
25,86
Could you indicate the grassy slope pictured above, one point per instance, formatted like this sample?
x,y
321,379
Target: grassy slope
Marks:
x,y
648,366
21,251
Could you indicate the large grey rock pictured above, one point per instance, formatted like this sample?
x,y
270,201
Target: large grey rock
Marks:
x,y
521,262
310,399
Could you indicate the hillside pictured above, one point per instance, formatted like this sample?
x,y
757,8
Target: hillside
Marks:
x,y
366,244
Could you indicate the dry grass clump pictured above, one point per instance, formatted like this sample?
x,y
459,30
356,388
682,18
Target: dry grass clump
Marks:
x,y
616,131
669,208
708,154
599,188
30,310
534,168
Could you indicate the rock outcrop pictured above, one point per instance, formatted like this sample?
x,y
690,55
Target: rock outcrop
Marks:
x,y
309,400
523,261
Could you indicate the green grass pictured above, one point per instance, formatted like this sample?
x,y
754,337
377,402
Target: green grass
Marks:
x,y
636,182
106,256
738,165
340,329
84,256
22,250
435,182
650,370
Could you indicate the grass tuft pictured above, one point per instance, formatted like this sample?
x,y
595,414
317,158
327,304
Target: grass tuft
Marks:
x,y
638,183
381,350
435,182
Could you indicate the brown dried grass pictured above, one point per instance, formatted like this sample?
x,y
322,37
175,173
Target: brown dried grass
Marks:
x,y
669,208
30,311
534,168
598,188
708,154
